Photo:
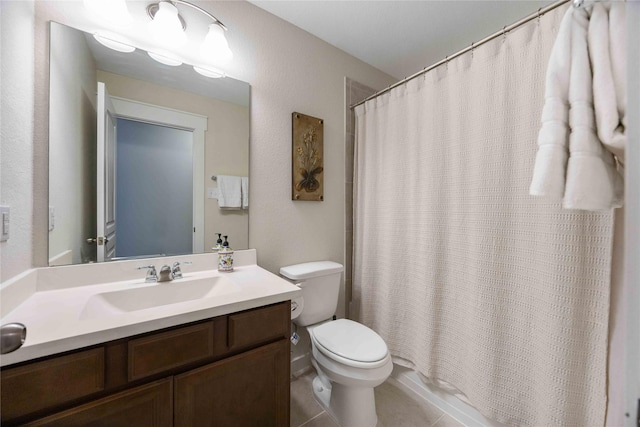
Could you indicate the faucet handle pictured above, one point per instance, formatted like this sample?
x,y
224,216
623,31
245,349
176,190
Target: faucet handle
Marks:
x,y
152,276
176,272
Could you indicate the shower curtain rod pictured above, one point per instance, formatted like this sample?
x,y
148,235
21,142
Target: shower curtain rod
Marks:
x,y
497,34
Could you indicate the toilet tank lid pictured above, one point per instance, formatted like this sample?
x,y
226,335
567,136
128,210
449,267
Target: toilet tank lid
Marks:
x,y
309,270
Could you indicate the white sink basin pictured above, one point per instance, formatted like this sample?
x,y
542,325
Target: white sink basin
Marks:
x,y
156,295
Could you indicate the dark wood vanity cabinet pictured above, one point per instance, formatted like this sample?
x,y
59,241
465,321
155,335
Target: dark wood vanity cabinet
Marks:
x,y
231,370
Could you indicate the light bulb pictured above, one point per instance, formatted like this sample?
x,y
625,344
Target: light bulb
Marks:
x,y
166,27
215,48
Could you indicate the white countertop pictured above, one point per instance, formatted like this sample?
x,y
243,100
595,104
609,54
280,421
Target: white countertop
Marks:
x,y
56,320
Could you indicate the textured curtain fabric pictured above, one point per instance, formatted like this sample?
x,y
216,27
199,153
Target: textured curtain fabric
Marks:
x,y
498,296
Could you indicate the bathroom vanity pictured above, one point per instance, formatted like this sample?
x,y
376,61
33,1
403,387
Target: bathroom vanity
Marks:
x,y
220,359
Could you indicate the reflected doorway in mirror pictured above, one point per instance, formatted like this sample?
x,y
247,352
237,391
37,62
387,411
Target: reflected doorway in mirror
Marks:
x,y
77,62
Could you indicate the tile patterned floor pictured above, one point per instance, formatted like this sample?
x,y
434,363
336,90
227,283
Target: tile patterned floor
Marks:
x,y
395,408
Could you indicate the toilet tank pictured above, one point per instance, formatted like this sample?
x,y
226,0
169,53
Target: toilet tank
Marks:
x,y
320,285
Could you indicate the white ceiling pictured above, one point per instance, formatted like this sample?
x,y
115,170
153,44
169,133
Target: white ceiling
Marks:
x,y
401,37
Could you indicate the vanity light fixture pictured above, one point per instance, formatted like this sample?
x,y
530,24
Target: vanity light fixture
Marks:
x,y
113,44
168,27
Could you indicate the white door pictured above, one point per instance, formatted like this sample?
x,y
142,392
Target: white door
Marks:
x,y
106,179
138,111
154,200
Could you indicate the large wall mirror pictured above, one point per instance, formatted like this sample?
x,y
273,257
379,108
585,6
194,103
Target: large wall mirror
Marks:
x,y
136,149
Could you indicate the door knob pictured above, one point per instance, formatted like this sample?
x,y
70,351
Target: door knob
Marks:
x,y
100,240
12,337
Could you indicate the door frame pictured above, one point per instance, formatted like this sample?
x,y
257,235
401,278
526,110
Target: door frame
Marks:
x,y
105,175
197,124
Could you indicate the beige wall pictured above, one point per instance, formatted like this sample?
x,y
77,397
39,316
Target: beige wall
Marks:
x,y
288,69
72,152
16,133
226,145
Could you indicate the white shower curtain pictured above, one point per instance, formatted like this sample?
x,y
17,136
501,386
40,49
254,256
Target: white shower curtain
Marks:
x,y
483,289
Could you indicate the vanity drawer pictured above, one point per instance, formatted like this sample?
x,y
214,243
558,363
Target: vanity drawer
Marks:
x,y
168,350
150,405
40,385
253,327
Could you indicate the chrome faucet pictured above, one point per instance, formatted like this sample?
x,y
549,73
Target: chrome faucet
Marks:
x,y
167,273
176,272
152,276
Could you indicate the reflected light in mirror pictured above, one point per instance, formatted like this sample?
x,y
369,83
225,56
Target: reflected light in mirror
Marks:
x,y
113,44
165,59
207,72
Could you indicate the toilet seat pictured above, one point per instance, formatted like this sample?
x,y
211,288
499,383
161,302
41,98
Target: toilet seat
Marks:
x,y
350,343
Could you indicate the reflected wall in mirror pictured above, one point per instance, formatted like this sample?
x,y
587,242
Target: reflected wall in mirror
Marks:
x,y
167,131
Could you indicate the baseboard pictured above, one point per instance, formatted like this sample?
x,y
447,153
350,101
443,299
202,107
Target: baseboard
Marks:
x,y
300,364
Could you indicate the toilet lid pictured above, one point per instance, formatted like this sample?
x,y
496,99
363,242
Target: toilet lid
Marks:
x,y
351,340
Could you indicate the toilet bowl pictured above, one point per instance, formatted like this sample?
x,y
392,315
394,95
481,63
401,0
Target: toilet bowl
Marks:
x,y
349,366
350,359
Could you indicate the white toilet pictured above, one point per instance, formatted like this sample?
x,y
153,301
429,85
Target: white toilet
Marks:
x,y
350,358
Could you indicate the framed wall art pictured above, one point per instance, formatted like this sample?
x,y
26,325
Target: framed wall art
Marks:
x,y
307,158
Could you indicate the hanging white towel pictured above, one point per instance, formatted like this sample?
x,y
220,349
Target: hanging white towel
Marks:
x,y
593,183
553,152
572,164
244,182
607,47
230,191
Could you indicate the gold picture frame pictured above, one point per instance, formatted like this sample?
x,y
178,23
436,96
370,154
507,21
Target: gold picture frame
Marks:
x,y
307,160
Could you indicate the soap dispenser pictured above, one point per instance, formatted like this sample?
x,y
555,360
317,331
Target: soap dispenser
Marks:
x,y
225,257
218,246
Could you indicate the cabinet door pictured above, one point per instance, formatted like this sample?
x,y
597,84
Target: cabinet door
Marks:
x,y
250,389
145,406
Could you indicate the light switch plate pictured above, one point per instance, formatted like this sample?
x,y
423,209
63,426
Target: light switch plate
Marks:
x,y
4,223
